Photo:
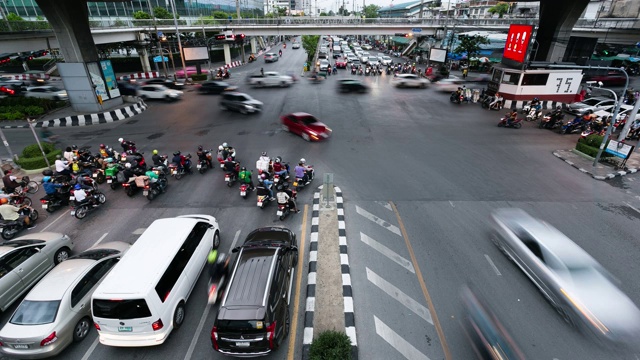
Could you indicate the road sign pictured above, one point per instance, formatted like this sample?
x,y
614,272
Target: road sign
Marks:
x,y
159,59
416,30
160,34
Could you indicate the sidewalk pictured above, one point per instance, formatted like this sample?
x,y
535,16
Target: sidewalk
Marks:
x,y
602,171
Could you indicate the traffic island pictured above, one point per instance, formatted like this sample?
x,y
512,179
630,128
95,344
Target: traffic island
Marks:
x,y
602,170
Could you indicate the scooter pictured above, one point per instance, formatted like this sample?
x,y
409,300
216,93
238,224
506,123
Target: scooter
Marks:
x,y
135,183
153,189
516,124
177,171
82,208
230,178
244,189
573,126
298,184
11,227
111,173
283,211
263,196
533,114
52,203
203,164
216,287
455,98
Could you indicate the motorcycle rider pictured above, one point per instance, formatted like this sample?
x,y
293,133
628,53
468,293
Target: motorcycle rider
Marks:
x,y
285,197
554,117
280,53
51,188
10,182
535,104
268,184
245,177
62,166
511,116
497,101
127,145
157,159
182,161
231,166
11,213
301,171
81,195
278,168
202,155
218,263
68,154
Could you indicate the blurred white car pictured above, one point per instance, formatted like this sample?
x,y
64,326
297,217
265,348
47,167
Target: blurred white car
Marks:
x,y
449,84
409,80
296,45
386,60
625,110
57,311
367,47
46,92
160,92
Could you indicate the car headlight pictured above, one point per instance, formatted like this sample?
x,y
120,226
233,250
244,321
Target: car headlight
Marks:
x,y
248,107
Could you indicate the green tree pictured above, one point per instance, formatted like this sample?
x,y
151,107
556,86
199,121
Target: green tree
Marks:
x,y
141,15
324,14
500,8
282,11
310,44
219,14
470,45
14,17
162,13
343,11
371,11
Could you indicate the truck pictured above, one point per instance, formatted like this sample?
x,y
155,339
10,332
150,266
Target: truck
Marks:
x,y
270,78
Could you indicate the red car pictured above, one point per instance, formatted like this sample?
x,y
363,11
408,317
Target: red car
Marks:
x,y
305,125
341,63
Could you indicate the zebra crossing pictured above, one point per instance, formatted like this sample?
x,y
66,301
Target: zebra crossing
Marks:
x,y
388,302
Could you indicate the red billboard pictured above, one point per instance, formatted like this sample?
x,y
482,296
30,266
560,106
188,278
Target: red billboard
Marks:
x,y
518,41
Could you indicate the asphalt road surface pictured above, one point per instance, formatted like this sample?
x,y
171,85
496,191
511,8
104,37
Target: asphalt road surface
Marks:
x,y
419,177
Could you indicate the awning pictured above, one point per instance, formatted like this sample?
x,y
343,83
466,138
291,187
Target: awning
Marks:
x,y
400,40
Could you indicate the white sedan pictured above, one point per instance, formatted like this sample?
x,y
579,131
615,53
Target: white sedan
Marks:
x,y
409,80
160,92
449,84
46,92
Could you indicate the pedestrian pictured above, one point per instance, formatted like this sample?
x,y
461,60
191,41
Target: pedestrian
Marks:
x,y
476,95
465,71
262,71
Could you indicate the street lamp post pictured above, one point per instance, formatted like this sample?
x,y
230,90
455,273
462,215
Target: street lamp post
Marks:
x,y
175,21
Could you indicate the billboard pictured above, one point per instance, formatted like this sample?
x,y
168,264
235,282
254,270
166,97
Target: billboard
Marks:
x,y
196,53
109,78
438,55
517,43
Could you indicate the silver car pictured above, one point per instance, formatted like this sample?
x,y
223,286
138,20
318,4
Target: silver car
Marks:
x,y
592,104
575,284
25,260
57,311
47,92
373,61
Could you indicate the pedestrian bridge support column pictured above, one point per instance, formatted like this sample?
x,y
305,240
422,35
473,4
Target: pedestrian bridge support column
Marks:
x,y
227,53
143,53
254,47
81,71
557,19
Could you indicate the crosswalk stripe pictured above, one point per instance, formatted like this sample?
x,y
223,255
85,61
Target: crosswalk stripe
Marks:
x,y
394,229
385,204
395,340
397,294
387,252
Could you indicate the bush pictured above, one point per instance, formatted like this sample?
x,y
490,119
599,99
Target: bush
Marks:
x,y
590,146
331,345
38,162
198,77
33,150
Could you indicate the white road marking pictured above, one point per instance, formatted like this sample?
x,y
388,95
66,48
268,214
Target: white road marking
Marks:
x,y
397,294
451,203
308,336
54,221
385,204
395,340
633,208
387,252
101,238
377,220
235,239
138,231
495,268
194,341
91,348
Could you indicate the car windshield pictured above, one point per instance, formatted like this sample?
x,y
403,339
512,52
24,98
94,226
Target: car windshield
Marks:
x,y
591,101
35,312
308,120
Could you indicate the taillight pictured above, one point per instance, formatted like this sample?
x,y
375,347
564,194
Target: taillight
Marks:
x,y
214,338
146,187
157,325
271,330
49,339
44,201
212,290
97,326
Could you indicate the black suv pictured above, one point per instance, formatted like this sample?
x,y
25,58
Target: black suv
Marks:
x,y
254,318
241,102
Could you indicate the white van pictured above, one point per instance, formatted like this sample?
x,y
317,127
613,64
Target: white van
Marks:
x,y
143,298
337,49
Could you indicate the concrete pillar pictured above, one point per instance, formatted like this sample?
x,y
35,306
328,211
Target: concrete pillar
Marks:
x,y
557,19
80,72
254,47
143,53
227,53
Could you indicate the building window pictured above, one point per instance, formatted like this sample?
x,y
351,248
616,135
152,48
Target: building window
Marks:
x,y
511,78
535,79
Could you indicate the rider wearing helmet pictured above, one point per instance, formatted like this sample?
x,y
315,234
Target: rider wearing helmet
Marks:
x,y
231,166
202,155
218,263
267,184
302,171
182,161
286,197
245,177
127,145
535,104
157,159
12,213
278,168
51,188
104,152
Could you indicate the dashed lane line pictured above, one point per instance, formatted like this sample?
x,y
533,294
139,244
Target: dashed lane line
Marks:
x,y
235,240
54,221
398,343
394,229
387,252
99,240
399,295
495,268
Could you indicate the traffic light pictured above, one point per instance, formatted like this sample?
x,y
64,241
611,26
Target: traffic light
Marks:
x,y
239,38
404,35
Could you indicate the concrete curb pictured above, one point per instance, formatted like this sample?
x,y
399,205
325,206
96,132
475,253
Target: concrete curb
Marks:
x,y
508,104
597,177
311,276
141,75
347,293
89,119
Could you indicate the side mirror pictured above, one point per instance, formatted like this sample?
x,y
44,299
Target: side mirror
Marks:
x,y
235,249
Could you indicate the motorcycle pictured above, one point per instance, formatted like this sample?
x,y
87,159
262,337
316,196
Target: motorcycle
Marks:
x,y
82,208
252,58
177,171
573,126
155,188
533,114
367,72
263,196
230,178
487,103
388,70
360,71
135,183
216,287
11,227
298,184
283,211
114,175
244,188
203,164
456,98
99,175
51,203
353,71
547,122
516,124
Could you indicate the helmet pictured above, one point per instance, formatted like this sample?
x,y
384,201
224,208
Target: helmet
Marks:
x,y
535,99
74,147
199,147
77,187
127,165
120,140
176,153
264,153
46,179
303,160
102,146
243,168
213,255
223,258
263,176
277,160
224,145
229,158
220,147
155,152
3,201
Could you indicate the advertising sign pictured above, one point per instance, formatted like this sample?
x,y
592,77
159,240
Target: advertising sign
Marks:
x,y
438,55
98,82
619,149
196,53
109,78
517,43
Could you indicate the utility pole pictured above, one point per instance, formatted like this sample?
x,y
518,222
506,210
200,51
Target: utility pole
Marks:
x,y
175,21
158,43
238,9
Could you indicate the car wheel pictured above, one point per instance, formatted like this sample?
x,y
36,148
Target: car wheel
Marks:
x,y
81,330
287,324
178,316
423,86
283,84
167,98
306,136
216,240
294,262
61,255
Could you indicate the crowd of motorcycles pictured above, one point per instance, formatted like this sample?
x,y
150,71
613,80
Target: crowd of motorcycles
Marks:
x,y
78,188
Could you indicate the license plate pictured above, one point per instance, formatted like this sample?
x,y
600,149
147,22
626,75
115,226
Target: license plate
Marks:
x,y
259,203
243,193
221,165
295,183
199,166
279,213
242,343
20,346
145,193
95,175
173,172
73,213
109,181
72,198
44,206
125,328
226,179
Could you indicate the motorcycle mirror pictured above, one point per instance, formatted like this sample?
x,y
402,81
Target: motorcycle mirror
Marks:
x,y
235,249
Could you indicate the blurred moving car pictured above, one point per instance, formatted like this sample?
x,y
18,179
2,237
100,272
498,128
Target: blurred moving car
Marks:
x,y
386,60
305,125
24,260
159,92
373,61
575,284
215,87
128,88
591,104
47,92
367,47
409,80
10,90
171,84
191,70
57,311
270,57
241,102
324,65
625,110
489,338
352,85
449,84
295,45
609,79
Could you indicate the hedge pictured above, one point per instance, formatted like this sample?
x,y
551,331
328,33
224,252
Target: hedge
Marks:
x,y
591,145
38,162
33,150
198,77
19,108
331,345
